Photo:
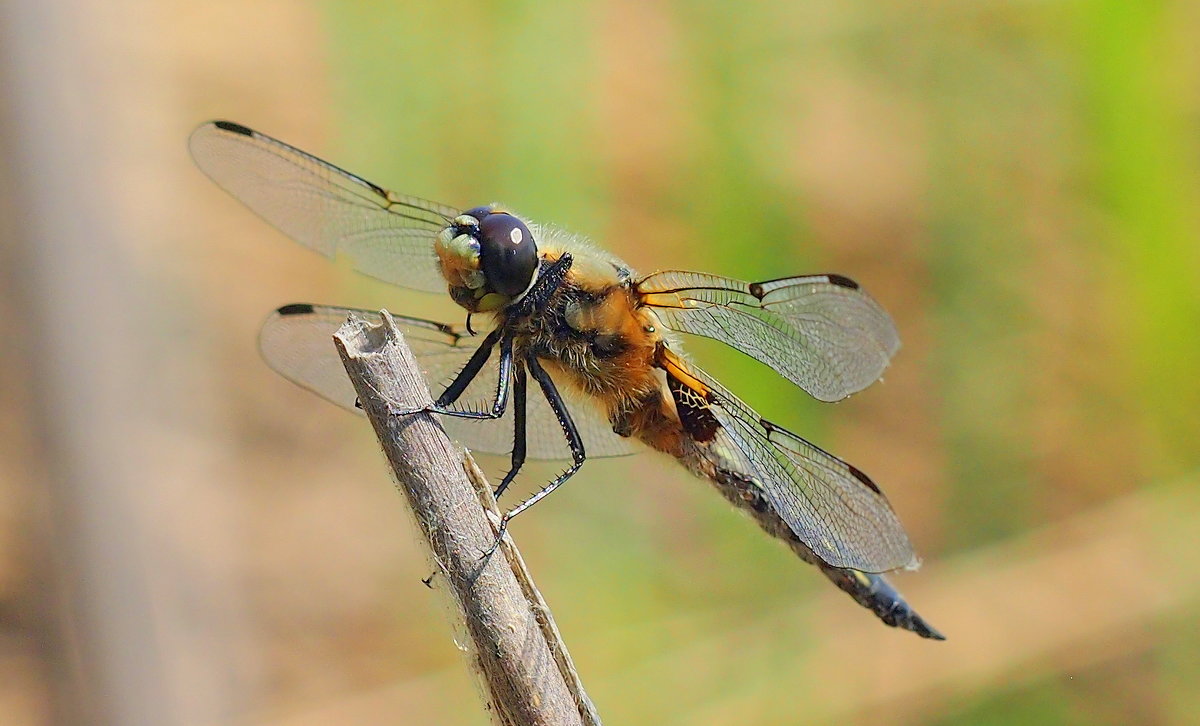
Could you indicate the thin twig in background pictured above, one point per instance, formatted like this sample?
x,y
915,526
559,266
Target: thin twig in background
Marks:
x,y
515,647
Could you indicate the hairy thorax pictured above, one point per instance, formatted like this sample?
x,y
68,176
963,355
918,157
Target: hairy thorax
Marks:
x,y
592,334
595,337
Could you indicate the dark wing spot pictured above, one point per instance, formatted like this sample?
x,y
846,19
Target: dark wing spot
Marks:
x,y
697,420
854,470
296,309
449,330
843,281
756,290
233,128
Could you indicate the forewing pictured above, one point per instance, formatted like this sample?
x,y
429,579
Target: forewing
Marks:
x,y
297,342
822,332
386,235
831,506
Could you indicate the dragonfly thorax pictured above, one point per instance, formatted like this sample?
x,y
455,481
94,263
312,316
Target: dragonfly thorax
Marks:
x,y
488,257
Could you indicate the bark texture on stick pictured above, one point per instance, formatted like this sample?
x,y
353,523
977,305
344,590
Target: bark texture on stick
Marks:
x,y
519,658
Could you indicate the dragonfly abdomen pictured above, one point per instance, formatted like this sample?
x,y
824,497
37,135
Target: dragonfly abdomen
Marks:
x,y
872,591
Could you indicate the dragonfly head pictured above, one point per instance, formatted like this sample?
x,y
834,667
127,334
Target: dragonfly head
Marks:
x,y
488,257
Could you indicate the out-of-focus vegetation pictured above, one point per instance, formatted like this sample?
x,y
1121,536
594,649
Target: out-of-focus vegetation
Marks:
x,y
1016,182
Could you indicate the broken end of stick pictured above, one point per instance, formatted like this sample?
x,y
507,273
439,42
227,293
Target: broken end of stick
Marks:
x,y
362,337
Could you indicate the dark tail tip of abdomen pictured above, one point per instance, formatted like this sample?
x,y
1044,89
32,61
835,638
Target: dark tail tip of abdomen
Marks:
x,y
878,595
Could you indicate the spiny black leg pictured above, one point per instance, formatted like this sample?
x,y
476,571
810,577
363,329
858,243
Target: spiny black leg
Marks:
x,y
549,280
518,452
500,403
468,373
574,441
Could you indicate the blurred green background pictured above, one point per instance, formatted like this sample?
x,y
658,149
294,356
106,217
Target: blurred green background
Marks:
x,y
1016,182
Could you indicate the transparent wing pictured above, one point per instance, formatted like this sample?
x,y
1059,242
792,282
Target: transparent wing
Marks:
x,y
831,506
387,235
822,332
297,342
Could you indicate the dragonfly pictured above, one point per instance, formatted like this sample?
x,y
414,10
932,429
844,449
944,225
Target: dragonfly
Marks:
x,y
602,346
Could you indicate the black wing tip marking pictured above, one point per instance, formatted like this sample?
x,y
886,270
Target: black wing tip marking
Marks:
x,y
756,288
296,309
233,128
383,193
448,330
866,480
842,281
855,472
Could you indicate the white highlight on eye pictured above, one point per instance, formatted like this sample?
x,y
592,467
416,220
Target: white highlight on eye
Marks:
x,y
516,235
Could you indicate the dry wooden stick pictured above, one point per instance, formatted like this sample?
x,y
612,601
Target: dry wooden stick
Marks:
x,y
516,650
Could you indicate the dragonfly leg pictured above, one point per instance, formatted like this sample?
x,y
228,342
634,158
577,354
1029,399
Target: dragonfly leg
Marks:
x,y
518,452
574,441
468,374
550,279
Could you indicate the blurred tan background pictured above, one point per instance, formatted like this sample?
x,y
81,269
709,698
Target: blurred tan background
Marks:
x,y
187,539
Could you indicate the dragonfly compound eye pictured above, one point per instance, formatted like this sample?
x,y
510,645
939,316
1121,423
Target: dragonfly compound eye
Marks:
x,y
507,253
478,212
